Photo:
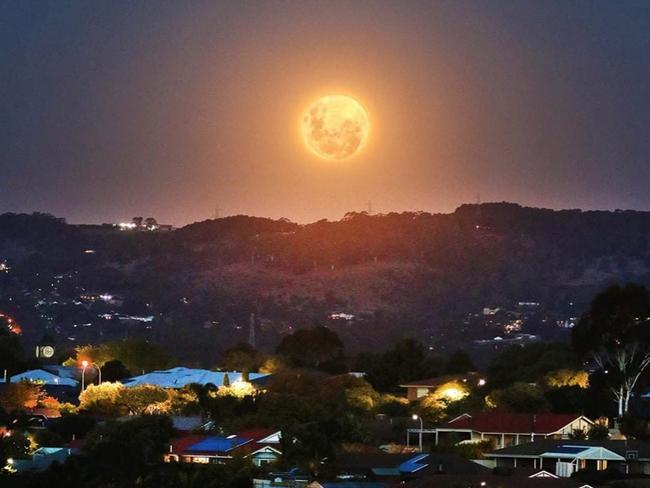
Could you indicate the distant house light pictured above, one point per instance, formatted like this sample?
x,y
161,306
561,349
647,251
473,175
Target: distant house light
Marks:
x,y
341,316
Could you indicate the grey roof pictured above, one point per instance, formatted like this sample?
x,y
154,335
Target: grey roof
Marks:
x,y
186,423
539,447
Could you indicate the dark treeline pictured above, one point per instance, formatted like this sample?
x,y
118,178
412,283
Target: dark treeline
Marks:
x,y
433,239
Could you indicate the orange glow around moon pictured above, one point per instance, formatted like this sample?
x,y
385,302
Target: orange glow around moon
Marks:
x,y
335,127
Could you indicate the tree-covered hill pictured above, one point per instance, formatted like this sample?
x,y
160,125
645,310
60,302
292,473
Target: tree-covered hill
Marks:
x,y
399,272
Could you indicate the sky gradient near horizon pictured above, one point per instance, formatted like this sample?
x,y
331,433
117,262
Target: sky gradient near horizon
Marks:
x,y
170,109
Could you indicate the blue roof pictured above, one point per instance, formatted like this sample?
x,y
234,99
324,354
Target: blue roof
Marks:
x,y
570,449
180,376
218,444
414,464
43,377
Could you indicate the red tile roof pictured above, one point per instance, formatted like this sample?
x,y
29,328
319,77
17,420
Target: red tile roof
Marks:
x,y
256,434
515,423
50,413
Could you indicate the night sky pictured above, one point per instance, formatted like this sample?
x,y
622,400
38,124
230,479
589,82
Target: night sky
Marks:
x,y
119,108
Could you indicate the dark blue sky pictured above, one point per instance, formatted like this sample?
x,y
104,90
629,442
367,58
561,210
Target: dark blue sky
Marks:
x,y
115,109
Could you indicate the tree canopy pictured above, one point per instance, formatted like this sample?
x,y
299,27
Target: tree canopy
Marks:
x,y
319,347
615,334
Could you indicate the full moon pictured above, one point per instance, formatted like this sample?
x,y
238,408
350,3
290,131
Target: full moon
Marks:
x,y
335,127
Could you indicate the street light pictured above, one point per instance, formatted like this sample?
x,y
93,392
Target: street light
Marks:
x,y
85,364
415,416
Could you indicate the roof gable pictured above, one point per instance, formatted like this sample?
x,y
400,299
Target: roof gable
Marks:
x,y
582,452
543,474
262,436
265,449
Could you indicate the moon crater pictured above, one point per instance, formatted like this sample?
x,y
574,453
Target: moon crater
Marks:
x,y
335,127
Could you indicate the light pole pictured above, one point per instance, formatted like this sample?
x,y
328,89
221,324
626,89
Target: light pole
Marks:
x,y
415,416
84,365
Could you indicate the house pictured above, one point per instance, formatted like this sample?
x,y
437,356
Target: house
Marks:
x,y
41,459
62,371
42,377
493,480
262,446
35,418
507,429
180,377
380,466
421,388
292,478
564,457
63,388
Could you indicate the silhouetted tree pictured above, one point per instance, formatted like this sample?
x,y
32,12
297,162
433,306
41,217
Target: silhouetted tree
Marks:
x,y
615,333
459,362
312,347
114,370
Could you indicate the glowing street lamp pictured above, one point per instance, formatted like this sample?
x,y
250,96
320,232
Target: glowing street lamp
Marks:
x,y
84,365
10,466
415,416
